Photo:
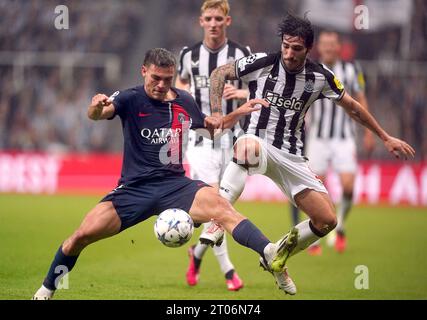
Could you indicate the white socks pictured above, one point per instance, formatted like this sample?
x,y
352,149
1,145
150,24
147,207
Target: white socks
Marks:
x,y
231,187
305,236
233,182
221,253
199,250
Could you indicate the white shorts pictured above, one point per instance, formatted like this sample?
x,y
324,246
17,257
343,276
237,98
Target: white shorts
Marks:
x,y
290,173
340,154
208,164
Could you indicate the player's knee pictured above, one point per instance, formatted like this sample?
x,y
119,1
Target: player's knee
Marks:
x,y
246,153
80,239
330,222
325,224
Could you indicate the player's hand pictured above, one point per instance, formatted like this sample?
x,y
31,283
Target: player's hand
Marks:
x,y
212,123
100,101
253,105
369,141
231,92
399,148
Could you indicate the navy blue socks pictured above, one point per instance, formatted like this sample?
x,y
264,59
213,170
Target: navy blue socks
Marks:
x,y
60,266
248,235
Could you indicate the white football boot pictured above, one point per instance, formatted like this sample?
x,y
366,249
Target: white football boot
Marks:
x,y
214,235
276,255
43,294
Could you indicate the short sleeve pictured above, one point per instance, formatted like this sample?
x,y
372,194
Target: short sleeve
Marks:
x,y
251,67
120,100
183,70
197,116
333,88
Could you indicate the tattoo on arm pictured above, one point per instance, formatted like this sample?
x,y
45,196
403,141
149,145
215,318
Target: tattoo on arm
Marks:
x,y
217,82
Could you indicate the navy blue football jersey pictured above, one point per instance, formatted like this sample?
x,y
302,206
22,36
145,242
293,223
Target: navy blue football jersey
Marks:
x,y
154,132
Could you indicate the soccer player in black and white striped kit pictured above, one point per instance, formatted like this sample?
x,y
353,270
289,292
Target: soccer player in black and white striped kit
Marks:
x,y
273,144
331,138
207,158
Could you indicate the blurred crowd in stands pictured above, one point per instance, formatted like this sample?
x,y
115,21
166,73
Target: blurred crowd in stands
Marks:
x,y
45,115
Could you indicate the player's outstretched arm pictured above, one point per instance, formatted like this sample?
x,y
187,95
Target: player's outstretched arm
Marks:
x,y
247,108
395,146
217,82
216,126
368,138
100,108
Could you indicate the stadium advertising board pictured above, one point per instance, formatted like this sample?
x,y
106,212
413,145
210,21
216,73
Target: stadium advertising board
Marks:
x,y
376,182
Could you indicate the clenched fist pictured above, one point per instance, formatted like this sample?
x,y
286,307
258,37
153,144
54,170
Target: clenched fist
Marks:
x,y
96,109
100,101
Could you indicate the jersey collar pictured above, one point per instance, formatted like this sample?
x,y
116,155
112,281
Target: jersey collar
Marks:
x,y
217,50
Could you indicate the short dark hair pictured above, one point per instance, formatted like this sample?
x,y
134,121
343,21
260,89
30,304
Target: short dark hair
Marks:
x,y
160,58
295,26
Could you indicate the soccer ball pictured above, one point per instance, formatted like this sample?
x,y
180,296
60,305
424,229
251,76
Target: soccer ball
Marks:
x,y
174,227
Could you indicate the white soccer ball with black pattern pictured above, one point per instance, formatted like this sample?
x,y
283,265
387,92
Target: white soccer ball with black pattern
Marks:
x,y
174,227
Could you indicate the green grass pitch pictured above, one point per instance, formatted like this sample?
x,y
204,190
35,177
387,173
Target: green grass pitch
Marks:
x,y
390,241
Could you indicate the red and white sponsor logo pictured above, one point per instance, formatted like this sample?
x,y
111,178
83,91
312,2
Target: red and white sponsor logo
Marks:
x,y
29,173
376,182
47,173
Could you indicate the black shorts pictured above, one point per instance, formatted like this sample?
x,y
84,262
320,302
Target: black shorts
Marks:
x,y
138,201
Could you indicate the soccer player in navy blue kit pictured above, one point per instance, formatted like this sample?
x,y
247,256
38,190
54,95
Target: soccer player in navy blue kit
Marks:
x,y
154,118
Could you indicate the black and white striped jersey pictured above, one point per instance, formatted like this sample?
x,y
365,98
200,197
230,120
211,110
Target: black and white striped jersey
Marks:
x,y
196,64
329,121
289,94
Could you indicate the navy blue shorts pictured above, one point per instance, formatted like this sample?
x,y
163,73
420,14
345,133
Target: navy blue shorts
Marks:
x,y
138,201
